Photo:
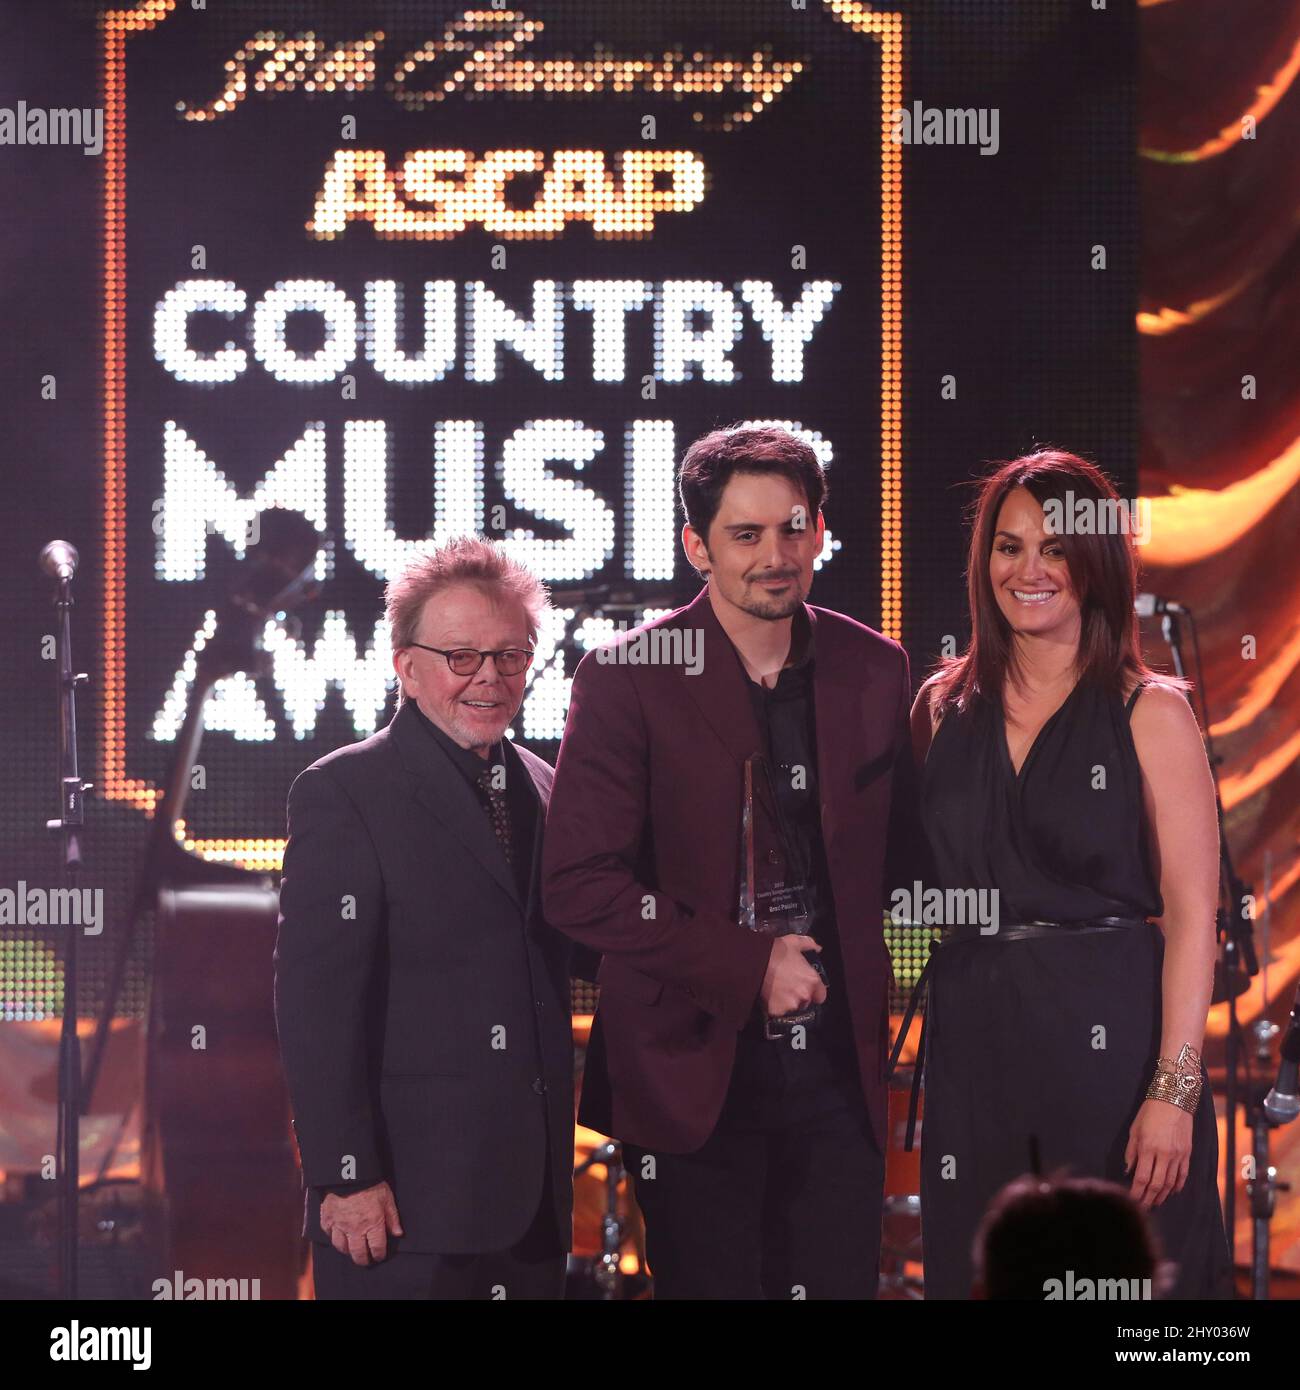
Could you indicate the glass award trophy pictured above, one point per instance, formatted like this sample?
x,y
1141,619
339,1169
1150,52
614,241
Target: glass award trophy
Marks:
x,y
774,895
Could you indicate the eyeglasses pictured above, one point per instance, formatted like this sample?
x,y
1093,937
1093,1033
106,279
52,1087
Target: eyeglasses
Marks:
x,y
466,661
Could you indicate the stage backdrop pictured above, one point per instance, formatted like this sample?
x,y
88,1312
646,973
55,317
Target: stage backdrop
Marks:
x,y
1220,335
416,269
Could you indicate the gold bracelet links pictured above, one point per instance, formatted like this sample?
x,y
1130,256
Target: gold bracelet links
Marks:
x,y
1178,1082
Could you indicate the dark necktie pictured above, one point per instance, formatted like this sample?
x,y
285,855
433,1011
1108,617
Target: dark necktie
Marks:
x,y
498,809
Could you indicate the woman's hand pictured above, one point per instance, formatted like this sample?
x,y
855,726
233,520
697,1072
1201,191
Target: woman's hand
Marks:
x,y
1159,1151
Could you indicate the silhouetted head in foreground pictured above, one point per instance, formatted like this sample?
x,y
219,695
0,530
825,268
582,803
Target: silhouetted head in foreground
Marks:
x,y
1066,1239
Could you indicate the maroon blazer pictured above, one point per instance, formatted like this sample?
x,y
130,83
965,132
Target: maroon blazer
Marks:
x,y
641,862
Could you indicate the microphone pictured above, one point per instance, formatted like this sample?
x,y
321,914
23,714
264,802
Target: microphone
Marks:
x,y
1146,605
59,559
1282,1104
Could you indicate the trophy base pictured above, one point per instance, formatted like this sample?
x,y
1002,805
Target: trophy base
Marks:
x,y
782,1028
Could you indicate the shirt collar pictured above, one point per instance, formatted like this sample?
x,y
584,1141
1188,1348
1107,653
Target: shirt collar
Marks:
x,y
466,759
801,639
795,676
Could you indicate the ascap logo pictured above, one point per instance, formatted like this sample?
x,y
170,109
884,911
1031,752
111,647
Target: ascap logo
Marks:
x,y
482,54
420,200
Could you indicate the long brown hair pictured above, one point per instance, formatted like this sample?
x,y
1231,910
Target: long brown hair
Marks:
x,y
1103,572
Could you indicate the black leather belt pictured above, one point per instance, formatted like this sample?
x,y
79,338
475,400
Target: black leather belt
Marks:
x,y
1011,931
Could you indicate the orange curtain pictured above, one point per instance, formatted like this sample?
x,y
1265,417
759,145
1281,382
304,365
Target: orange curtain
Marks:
x,y
1219,328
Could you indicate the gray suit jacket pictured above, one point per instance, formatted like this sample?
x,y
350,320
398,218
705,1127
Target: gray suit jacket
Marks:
x,y
422,1007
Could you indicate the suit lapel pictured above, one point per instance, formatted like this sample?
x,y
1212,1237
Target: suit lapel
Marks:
x,y
719,689
541,795
837,706
536,779
442,790
839,699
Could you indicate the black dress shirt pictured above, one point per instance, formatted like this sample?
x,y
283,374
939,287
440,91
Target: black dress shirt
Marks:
x,y
519,793
773,1082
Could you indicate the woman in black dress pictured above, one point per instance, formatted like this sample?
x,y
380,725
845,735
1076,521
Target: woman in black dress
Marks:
x,y
1069,787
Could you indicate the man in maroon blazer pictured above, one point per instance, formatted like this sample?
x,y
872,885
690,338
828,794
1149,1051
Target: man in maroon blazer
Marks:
x,y
758,1164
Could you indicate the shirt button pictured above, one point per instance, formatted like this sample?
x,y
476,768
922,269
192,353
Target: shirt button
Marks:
x,y
773,857
539,1086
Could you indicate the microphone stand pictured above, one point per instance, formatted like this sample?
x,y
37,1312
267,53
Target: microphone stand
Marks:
x,y
68,825
276,576
1233,927
1270,1109
1265,1184
607,1272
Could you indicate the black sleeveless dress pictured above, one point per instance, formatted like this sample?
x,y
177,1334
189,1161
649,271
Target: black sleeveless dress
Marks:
x,y
1048,1041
